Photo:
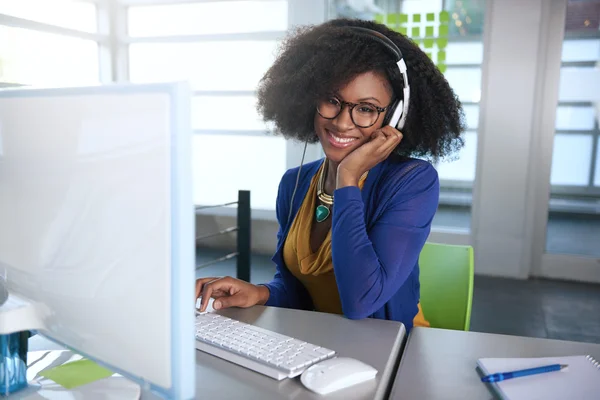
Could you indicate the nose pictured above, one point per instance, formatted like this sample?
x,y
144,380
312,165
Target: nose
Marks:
x,y
343,122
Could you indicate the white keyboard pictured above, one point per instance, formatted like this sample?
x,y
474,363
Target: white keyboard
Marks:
x,y
267,352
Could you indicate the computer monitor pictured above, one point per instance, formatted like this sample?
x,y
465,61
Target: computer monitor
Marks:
x,y
96,224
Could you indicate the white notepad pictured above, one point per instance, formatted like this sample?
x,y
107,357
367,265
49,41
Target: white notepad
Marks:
x,y
578,382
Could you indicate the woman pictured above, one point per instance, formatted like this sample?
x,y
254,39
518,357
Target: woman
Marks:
x,y
351,226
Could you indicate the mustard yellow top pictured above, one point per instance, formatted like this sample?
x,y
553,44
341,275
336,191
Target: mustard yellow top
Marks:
x,y
315,270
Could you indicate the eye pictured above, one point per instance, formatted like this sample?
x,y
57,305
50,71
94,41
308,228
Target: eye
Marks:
x,y
366,109
333,101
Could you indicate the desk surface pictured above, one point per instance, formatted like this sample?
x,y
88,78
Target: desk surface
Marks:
x,y
375,342
440,364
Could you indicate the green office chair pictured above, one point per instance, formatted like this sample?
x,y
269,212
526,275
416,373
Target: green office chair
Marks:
x,y
446,276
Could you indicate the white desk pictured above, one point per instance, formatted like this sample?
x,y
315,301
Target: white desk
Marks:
x,y
375,342
441,364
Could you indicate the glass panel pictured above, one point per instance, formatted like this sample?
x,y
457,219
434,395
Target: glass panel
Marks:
x,y
571,159
464,53
597,170
226,112
575,118
420,6
573,217
450,33
43,59
462,169
467,17
471,116
217,181
466,83
581,50
582,16
579,84
208,18
73,14
235,65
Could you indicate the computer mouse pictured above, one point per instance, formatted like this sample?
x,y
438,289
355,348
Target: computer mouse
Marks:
x,y
335,374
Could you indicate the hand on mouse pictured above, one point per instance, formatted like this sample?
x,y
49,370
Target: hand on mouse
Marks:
x,y
230,292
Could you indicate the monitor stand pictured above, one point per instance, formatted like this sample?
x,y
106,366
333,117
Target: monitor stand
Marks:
x,y
17,318
112,388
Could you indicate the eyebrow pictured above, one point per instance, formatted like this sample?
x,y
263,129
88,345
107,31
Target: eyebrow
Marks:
x,y
364,99
369,98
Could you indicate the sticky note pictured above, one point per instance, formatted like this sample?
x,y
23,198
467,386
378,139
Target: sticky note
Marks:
x,y
442,43
415,32
403,18
392,19
429,31
444,16
441,56
416,17
379,18
430,17
403,30
428,43
76,373
442,68
443,30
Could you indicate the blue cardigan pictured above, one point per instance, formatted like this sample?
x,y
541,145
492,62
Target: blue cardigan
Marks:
x,y
376,238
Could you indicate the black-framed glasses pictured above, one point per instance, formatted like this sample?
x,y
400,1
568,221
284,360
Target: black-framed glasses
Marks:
x,y
363,115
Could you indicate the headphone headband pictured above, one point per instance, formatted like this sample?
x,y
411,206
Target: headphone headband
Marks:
x,y
381,38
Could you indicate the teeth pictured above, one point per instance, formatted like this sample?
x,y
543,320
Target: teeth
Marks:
x,y
342,140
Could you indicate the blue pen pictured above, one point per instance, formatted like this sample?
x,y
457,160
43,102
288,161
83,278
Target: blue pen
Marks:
x,y
501,376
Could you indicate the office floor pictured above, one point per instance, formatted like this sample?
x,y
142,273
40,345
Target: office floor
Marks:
x,y
537,308
566,234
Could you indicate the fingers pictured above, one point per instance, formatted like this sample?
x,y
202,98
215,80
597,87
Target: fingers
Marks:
x,y
222,288
200,283
391,142
378,135
210,288
236,300
392,137
390,131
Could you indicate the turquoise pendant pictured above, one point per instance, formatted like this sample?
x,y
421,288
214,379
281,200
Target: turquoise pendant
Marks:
x,y
321,213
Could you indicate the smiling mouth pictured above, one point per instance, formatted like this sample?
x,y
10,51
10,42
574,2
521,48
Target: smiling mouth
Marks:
x,y
339,141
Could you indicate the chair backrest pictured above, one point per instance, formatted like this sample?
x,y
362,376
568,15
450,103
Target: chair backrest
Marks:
x,y
446,276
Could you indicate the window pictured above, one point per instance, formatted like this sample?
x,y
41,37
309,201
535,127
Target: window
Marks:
x,y
597,171
226,113
578,109
73,14
466,83
575,169
579,83
45,59
463,168
224,164
223,49
222,66
49,43
566,169
450,33
576,118
208,18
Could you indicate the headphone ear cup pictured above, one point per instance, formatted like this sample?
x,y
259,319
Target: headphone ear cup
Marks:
x,y
390,112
